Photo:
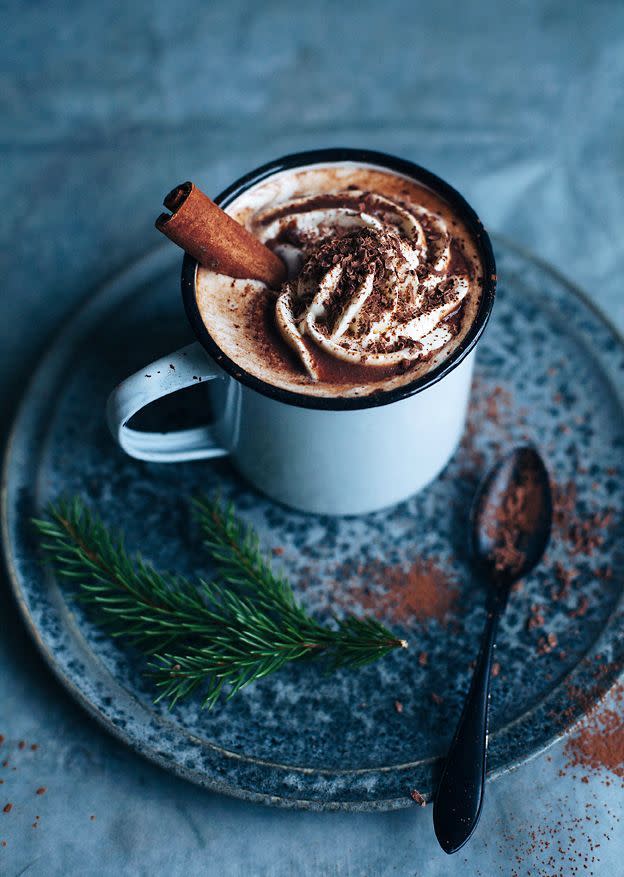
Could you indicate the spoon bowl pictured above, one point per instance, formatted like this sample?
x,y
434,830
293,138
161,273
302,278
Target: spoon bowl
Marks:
x,y
511,517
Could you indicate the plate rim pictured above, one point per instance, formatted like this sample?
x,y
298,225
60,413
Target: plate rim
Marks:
x,y
103,296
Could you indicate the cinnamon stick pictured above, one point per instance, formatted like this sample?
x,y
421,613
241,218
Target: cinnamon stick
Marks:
x,y
215,239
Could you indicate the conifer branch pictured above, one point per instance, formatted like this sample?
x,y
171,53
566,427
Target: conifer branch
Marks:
x,y
215,635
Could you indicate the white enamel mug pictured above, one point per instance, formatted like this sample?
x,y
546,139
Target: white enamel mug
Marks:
x,y
329,456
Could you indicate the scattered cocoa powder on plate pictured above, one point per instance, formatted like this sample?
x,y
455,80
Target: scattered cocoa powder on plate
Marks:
x,y
580,609
565,577
597,743
546,644
536,617
418,798
399,594
583,533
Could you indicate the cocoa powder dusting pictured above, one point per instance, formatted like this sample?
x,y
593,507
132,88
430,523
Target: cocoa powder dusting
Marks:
x,y
495,404
582,533
421,592
597,743
577,530
568,843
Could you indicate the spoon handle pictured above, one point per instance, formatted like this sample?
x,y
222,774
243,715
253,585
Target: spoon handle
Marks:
x,y
459,796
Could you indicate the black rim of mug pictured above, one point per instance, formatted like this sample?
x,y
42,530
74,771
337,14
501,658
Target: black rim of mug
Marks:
x,y
380,397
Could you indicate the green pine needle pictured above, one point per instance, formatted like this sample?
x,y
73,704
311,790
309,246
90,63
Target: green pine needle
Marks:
x,y
212,636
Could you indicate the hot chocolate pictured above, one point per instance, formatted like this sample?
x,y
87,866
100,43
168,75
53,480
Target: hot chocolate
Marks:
x,y
384,281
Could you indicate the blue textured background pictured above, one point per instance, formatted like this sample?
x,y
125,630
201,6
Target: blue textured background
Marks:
x,y
103,107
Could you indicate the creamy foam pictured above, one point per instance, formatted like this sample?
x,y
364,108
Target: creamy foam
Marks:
x,y
384,282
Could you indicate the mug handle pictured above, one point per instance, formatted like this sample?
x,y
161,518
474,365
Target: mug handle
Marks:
x,y
189,365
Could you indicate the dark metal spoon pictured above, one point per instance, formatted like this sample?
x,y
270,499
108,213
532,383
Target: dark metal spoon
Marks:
x,y
510,528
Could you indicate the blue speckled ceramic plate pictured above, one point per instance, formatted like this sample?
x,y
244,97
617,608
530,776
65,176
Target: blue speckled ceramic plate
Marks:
x,y
549,370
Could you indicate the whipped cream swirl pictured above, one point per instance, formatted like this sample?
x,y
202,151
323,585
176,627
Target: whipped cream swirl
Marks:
x,y
370,280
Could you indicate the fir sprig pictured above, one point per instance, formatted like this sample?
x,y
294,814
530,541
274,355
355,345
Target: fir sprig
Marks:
x,y
214,635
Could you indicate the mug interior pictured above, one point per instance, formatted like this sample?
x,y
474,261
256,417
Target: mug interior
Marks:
x,y
382,397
